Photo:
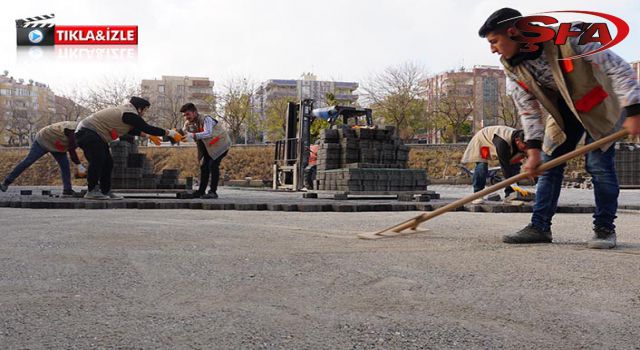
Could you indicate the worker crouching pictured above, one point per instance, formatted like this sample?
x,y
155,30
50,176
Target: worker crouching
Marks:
x,y
501,142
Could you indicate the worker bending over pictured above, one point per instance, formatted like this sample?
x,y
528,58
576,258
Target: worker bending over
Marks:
x,y
57,139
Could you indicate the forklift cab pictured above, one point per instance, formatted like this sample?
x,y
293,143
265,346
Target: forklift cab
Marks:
x,y
359,117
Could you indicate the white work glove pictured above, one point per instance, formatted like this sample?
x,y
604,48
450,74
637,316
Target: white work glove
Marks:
x,y
172,133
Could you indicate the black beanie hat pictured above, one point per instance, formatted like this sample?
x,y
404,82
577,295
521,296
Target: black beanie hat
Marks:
x,y
139,102
497,19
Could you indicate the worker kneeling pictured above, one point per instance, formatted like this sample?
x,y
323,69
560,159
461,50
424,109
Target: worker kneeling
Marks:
x,y
502,142
213,144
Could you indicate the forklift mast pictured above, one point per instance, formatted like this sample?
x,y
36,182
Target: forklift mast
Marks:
x,y
292,153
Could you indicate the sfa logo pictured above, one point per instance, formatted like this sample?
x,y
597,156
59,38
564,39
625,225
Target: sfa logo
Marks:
x,y
534,34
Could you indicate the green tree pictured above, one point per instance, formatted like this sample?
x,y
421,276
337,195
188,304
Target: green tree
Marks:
x,y
275,117
237,108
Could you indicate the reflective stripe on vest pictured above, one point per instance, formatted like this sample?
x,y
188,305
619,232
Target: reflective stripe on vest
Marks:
x,y
523,85
59,146
485,153
591,99
567,65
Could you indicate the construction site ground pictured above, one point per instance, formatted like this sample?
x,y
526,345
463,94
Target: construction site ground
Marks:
x,y
228,279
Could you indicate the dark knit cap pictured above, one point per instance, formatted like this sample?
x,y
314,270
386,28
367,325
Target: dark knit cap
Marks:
x,y
498,20
139,102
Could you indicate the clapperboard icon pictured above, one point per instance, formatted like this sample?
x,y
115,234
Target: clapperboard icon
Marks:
x,y
29,33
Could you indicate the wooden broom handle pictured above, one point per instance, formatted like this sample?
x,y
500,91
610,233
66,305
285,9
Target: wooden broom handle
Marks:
x,y
413,223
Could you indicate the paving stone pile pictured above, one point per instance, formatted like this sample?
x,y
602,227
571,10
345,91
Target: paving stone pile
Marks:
x,y
627,161
365,160
134,170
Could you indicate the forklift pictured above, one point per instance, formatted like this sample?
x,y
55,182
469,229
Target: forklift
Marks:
x,y
292,153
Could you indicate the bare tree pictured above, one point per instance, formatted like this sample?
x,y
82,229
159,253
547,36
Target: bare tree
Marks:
x,y
507,112
396,94
22,125
236,107
110,92
452,106
67,107
166,108
4,120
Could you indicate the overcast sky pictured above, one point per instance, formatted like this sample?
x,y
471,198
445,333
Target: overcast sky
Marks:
x,y
344,40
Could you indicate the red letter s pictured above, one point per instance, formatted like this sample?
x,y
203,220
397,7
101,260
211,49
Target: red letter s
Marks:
x,y
542,33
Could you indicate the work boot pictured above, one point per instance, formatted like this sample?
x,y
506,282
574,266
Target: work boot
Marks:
x,y
95,194
603,238
529,234
112,195
210,195
3,187
68,193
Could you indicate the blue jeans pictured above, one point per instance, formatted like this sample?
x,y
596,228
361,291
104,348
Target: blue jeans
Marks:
x,y
480,176
36,152
599,164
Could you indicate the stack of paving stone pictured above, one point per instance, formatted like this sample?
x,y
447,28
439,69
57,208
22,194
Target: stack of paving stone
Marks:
x,y
169,179
124,175
148,180
365,160
372,180
133,170
627,160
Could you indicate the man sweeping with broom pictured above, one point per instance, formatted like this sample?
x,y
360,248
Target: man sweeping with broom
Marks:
x,y
590,94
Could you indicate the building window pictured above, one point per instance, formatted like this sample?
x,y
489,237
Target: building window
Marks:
x,y
161,89
490,101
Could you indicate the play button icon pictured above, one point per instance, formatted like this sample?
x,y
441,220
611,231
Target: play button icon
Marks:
x,y
35,36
